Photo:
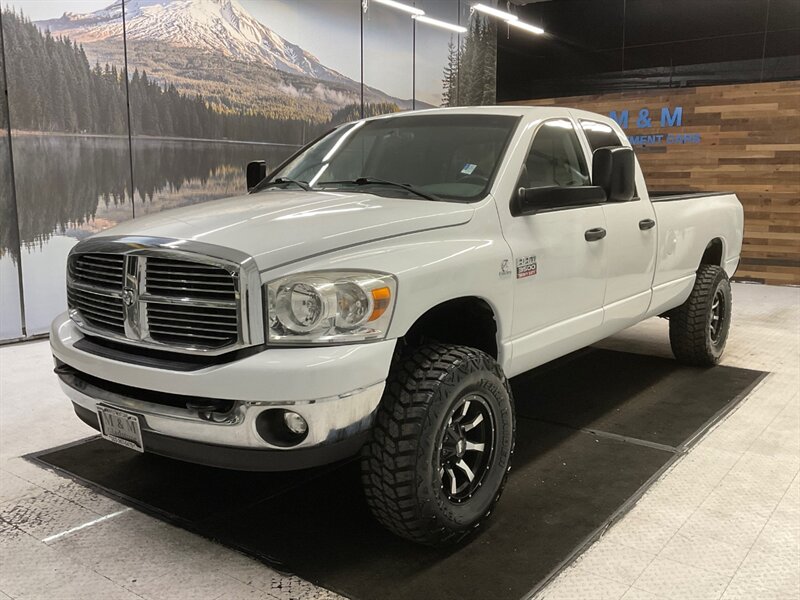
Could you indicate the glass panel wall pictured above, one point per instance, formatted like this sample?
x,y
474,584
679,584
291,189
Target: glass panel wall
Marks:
x,y
10,306
210,86
388,37
69,136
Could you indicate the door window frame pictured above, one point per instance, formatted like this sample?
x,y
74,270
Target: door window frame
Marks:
x,y
588,150
582,144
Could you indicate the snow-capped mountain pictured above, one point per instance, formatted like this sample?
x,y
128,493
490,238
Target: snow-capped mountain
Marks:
x,y
218,26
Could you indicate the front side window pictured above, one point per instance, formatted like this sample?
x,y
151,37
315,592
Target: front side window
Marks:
x,y
555,158
446,157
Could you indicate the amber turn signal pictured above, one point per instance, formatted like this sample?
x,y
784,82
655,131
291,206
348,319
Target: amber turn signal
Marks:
x,y
381,298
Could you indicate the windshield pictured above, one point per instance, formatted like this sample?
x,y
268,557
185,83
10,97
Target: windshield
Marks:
x,y
440,156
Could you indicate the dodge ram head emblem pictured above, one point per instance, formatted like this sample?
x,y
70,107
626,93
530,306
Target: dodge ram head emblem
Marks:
x,y
128,296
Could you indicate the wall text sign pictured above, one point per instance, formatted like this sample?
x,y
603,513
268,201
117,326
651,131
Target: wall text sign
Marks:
x,y
664,118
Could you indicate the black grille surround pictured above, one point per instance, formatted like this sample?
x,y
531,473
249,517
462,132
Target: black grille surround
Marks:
x,y
157,300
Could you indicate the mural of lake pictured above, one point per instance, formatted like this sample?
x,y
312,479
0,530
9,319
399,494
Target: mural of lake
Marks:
x,y
70,187
184,77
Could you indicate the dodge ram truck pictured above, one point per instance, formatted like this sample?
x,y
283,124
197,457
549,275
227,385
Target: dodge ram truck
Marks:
x,y
372,295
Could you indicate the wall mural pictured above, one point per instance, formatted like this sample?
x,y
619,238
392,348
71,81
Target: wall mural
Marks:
x,y
211,84
10,306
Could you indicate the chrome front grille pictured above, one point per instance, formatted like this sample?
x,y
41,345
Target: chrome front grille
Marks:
x,y
177,324
156,296
179,278
98,309
105,270
97,278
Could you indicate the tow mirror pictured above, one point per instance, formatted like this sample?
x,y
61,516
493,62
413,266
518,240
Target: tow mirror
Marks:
x,y
529,201
613,169
256,171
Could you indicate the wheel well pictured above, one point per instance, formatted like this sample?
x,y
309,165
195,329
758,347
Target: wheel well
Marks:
x,y
713,253
467,321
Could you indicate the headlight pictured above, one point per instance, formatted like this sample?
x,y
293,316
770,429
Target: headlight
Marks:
x,y
329,307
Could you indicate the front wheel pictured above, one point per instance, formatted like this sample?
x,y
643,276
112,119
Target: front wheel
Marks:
x,y
441,445
698,329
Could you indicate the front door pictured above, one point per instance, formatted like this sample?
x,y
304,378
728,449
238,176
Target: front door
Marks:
x,y
630,244
560,274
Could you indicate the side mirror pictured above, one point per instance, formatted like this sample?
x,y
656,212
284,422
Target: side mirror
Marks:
x,y
614,169
256,171
529,201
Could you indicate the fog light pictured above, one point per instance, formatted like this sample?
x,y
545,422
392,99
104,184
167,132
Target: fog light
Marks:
x,y
281,427
295,423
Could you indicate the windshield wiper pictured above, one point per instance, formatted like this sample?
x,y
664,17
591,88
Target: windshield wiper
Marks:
x,y
283,180
375,181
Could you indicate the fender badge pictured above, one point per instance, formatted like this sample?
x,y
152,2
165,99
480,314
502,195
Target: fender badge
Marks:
x,y
505,268
526,266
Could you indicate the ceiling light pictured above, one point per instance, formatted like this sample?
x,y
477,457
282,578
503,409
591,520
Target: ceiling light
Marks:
x,y
494,12
526,27
442,24
400,6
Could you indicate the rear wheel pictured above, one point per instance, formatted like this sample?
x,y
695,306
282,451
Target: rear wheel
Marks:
x,y
698,329
441,445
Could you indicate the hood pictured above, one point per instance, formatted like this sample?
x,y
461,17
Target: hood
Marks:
x,y
280,227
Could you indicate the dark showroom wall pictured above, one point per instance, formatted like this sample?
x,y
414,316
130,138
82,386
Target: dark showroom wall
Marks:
x,y
707,92
203,95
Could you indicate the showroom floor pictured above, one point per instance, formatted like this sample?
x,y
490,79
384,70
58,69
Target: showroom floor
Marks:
x,y
723,522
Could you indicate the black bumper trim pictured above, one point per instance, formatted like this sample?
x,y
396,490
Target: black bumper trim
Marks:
x,y
240,459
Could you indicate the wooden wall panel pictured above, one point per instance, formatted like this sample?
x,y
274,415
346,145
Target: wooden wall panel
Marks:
x,y
750,144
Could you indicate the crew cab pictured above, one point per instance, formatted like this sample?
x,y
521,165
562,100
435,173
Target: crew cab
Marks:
x,y
373,294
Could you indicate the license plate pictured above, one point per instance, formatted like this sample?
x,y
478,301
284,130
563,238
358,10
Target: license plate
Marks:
x,y
120,427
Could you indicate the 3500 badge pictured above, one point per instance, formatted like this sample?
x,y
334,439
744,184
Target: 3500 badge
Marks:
x,y
526,266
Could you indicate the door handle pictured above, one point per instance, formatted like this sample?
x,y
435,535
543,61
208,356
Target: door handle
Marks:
x,y
592,235
646,224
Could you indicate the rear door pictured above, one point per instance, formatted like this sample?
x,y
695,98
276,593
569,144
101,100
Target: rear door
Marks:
x,y
559,276
630,244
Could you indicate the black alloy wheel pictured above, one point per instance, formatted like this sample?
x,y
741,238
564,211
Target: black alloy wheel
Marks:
x,y
441,445
698,328
467,446
717,316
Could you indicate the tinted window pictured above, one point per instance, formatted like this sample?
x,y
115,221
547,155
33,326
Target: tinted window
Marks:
x,y
599,135
555,157
449,156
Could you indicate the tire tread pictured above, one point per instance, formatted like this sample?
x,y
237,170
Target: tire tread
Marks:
x,y
688,323
388,464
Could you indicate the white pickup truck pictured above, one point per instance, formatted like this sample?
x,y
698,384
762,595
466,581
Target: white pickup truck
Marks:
x,y
373,294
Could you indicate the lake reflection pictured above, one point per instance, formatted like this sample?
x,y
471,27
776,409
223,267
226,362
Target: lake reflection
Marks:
x,y
76,186
69,187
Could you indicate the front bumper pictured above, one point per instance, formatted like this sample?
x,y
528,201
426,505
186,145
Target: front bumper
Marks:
x,y
335,389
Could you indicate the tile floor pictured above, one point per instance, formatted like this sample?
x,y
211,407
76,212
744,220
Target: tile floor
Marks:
x,y
723,522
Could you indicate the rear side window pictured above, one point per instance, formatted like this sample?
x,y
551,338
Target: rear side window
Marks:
x,y
599,135
555,157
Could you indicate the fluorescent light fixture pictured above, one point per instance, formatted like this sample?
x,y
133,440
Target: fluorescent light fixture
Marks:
x,y
527,27
494,12
400,6
438,23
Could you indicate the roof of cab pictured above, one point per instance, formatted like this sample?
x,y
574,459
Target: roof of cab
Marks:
x,y
511,110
